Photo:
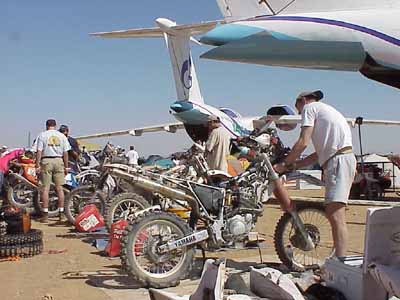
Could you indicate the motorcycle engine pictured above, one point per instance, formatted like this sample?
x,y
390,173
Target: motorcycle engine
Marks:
x,y
239,226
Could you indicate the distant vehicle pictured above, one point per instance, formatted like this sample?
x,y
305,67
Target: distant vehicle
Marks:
x,y
370,182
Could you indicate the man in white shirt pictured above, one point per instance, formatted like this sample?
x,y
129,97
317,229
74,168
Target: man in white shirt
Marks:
x,y
132,156
52,163
332,140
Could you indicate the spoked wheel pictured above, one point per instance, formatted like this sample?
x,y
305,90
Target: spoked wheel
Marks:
x,y
290,246
140,253
123,207
80,197
53,202
21,195
88,177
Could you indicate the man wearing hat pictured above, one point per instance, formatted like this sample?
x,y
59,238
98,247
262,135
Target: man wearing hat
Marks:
x,y
331,136
74,152
217,145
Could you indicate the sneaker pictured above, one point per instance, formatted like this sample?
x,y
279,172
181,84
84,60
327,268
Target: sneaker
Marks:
x,y
44,218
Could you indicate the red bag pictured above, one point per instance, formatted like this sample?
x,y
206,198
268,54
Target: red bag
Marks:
x,y
113,247
89,219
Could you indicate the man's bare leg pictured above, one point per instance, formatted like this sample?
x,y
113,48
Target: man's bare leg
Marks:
x,y
45,204
282,196
60,196
45,198
336,214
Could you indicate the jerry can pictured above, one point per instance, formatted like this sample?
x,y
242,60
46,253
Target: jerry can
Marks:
x,y
113,247
89,219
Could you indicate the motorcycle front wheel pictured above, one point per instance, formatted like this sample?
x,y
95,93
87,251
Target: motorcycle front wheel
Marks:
x,y
80,197
290,246
141,258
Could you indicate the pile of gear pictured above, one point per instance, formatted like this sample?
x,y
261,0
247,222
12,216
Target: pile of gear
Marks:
x,y
17,238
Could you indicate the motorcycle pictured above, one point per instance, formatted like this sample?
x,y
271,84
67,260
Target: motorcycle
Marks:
x,y
23,188
158,247
100,192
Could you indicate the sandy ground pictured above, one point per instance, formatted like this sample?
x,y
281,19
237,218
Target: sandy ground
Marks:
x,y
52,274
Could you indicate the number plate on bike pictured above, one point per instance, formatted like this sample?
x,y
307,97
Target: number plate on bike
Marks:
x,y
185,241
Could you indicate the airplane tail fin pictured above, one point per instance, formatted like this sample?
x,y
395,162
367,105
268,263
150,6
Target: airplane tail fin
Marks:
x,y
177,38
178,44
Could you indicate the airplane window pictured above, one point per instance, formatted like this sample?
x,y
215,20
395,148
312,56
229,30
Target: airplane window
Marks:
x,y
230,113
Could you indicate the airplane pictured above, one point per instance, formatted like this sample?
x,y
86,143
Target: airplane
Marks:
x,y
343,35
190,110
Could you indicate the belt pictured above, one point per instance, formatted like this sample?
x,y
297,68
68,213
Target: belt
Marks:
x,y
344,150
51,157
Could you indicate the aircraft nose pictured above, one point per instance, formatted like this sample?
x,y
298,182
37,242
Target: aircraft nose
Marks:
x,y
181,106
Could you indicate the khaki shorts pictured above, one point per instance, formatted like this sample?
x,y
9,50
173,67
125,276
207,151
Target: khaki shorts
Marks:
x,y
339,175
52,170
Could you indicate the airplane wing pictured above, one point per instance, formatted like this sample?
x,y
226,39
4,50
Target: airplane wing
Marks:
x,y
171,128
258,123
192,29
251,8
265,49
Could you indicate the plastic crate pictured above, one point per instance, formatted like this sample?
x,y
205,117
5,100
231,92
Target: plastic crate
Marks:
x,y
347,276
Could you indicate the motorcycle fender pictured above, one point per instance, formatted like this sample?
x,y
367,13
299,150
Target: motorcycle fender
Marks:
x,y
152,208
194,238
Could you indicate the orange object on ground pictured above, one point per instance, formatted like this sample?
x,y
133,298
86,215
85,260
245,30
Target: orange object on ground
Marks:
x,y
26,222
10,258
113,247
89,219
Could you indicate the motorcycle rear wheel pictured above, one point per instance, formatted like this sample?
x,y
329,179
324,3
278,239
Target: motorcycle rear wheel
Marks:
x,y
288,241
139,254
21,195
53,202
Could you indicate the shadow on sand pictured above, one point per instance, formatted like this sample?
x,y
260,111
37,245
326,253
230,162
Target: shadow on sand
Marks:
x,y
116,279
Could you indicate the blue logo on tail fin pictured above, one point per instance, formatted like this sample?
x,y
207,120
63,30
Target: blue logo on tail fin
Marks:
x,y
186,78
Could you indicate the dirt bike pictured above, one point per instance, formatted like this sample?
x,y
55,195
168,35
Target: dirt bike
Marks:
x,y
158,247
124,205
23,188
100,192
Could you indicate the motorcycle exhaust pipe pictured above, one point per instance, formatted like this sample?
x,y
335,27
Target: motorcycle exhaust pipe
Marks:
x,y
155,187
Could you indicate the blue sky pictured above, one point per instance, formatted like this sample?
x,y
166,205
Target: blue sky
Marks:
x,y
51,67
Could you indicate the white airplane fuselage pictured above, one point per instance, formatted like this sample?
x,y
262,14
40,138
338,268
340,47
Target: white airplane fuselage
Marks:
x,y
195,115
367,41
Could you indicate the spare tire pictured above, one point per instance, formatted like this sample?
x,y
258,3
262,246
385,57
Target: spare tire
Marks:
x,y
33,235
23,250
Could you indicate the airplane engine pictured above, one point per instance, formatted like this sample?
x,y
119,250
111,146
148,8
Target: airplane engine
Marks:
x,y
282,110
